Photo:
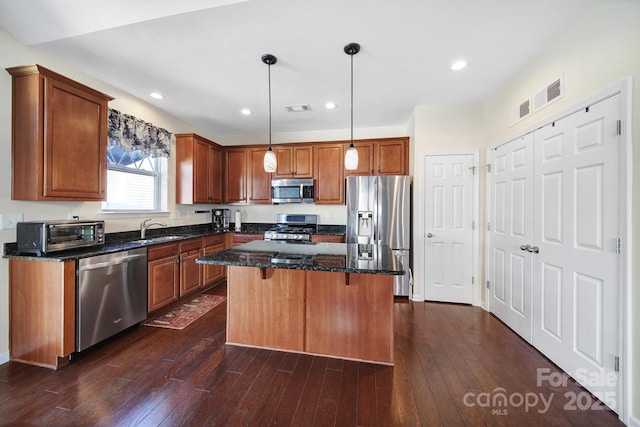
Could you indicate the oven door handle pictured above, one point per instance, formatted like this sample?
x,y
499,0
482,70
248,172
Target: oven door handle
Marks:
x,y
116,261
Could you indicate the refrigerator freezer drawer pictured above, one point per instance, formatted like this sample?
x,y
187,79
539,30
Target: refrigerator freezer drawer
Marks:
x,y
402,284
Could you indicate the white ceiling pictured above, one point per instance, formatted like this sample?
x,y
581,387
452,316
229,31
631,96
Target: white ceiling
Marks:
x,y
205,55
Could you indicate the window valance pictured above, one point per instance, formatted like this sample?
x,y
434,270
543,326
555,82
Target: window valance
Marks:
x,y
132,134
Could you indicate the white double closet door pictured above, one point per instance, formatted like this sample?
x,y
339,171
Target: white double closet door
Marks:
x,y
554,262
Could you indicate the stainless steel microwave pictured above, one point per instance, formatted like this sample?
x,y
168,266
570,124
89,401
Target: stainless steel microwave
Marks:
x,y
292,190
41,237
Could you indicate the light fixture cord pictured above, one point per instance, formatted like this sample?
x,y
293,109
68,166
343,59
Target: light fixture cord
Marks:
x,y
269,106
351,99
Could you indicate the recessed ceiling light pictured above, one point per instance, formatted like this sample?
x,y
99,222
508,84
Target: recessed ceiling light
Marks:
x,y
156,95
458,65
246,111
330,105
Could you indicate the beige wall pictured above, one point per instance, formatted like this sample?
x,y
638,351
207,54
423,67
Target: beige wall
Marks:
x,y
600,49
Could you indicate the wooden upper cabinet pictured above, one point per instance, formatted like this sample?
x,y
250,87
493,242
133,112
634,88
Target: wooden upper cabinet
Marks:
x,y
215,174
329,173
389,156
59,142
258,181
294,161
235,167
366,164
198,170
246,181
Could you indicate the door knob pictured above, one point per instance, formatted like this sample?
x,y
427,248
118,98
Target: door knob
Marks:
x,y
429,235
524,247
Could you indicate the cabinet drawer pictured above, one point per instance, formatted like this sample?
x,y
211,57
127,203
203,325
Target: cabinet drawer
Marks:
x,y
162,251
190,245
330,238
212,240
239,238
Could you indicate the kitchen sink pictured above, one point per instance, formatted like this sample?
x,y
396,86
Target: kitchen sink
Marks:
x,y
160,239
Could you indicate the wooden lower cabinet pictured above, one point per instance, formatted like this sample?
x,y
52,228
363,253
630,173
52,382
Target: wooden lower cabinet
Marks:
x,y
353,320
190,280
240,238
325,313
212,274
327,238
174,273
42,311
163,275
267,312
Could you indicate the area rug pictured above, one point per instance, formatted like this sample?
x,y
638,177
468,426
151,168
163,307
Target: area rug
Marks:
x,y
188,312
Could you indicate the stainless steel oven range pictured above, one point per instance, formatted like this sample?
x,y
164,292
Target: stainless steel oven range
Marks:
x,y
293,228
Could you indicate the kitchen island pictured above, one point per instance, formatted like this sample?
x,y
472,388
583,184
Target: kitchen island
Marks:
x,y
329,299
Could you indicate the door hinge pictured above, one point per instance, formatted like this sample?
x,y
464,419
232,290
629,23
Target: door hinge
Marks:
x,y
488,227
488,284
473,225
619,127
616,363
618,245
473,280
488,167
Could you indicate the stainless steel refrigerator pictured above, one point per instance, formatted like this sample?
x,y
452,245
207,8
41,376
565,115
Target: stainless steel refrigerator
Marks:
x,y
378,212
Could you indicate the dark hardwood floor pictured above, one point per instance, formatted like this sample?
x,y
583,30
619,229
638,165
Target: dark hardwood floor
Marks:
x,y
453,362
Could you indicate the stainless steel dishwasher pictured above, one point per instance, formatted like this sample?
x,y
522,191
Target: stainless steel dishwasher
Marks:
x,y
111,295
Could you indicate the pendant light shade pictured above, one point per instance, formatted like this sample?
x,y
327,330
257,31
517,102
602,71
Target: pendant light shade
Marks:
x,y
270,161
351,156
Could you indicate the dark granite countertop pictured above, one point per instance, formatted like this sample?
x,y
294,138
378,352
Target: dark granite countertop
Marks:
x,y
121,241
335,257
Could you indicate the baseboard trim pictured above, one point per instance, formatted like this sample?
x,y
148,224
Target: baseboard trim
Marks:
x,y
4,357
634,422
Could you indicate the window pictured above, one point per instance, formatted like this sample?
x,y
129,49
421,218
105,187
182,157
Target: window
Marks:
x,y
136,165
135,182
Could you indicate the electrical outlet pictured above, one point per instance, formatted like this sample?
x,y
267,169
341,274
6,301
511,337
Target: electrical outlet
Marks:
x,y
9,221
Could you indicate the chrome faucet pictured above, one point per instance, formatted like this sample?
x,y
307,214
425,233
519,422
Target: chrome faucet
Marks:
x,y
146,224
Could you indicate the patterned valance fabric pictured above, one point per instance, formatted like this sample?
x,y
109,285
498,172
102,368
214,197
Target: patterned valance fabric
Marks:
x,y
131,134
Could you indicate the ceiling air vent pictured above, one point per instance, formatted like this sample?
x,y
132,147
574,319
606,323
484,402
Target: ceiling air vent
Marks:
x,y
297,108
549,94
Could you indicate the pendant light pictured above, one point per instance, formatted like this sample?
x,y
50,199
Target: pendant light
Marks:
x,y
351,156
270,160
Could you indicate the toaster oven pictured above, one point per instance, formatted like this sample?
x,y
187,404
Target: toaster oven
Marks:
x,y
42,237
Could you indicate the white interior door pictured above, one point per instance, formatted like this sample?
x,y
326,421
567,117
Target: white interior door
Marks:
x,y
449,208
576,228
510,230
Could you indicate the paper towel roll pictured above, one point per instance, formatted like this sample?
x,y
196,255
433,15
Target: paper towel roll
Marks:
x,y
238,221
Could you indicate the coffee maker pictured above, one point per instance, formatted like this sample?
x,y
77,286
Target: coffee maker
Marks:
x,y
220,218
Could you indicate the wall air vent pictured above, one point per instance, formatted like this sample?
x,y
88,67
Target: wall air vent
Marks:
x,y
299,108
549,94
520,112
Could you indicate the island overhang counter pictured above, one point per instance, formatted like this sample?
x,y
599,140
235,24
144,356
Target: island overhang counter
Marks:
x,y
329,299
